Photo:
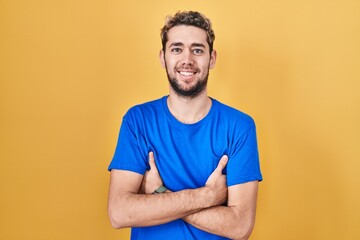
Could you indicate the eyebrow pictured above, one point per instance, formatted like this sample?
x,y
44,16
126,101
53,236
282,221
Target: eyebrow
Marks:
x,y
178,44
198,45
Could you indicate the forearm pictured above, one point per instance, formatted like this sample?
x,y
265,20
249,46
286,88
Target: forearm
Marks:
x,y
131,209
225,221
128,208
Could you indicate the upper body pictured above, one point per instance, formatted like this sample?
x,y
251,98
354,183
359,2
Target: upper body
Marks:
x,y
194,140
186,154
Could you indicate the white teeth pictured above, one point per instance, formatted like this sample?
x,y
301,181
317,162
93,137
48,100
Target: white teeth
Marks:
x,y
187,73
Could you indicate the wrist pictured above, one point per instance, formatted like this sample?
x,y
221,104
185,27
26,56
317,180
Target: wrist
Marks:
x,y
210,196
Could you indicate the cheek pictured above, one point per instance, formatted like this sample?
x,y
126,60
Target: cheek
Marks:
x,y
171,64
205,66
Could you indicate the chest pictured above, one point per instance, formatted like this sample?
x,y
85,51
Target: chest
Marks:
x,y
185,159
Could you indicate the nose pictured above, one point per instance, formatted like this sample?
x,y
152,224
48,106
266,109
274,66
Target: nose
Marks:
x,y
187,59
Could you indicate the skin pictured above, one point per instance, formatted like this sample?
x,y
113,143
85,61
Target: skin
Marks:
x,y
128,207
188,51
187,68
235,221
187,61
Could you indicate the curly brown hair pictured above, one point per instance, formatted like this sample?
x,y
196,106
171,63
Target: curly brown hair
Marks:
x,y
189,18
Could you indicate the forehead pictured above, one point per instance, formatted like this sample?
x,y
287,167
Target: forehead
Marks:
x,y
187,35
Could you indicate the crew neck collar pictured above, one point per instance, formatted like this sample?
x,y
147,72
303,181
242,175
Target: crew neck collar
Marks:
x,y
182,125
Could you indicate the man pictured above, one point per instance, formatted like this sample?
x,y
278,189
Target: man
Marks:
x,y
167,177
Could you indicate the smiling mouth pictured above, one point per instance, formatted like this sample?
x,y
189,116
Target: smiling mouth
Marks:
x,y
186,73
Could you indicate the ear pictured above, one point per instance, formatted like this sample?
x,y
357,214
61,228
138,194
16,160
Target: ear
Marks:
x,y
213,58
162,58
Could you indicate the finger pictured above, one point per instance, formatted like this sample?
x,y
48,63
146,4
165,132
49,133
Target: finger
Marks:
x,y
222,163
152,161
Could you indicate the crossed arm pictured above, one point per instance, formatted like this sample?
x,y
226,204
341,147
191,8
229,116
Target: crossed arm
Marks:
x,y
131,204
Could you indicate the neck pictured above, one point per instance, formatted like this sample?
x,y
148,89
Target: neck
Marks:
x,y
189,110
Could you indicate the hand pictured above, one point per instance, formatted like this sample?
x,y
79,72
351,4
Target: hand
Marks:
x,y
217,182
152,179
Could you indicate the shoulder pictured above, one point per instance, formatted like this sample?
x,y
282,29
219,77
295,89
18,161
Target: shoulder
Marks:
x,y
234,116
146,109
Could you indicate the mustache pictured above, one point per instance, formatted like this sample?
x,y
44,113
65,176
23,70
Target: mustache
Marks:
x,y
179,68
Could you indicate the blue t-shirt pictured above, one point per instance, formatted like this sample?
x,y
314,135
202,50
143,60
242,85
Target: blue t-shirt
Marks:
x,y
186,154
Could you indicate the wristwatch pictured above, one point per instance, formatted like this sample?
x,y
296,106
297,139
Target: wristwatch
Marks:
x,y
161,189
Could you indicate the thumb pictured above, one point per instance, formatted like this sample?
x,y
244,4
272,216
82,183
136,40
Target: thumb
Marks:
x,y
222,163
152,161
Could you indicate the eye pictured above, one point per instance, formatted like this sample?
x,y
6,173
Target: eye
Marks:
x,y
176,50
198,51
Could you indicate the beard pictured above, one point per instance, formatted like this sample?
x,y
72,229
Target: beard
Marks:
x,y
191,92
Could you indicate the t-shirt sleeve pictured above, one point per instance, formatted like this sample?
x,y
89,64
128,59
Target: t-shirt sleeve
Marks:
x,y
243,165
127,154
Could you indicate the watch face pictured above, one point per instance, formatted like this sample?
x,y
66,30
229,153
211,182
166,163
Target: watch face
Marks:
x,y
161,189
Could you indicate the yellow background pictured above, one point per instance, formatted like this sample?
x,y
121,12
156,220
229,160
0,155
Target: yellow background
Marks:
x,y
69,70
